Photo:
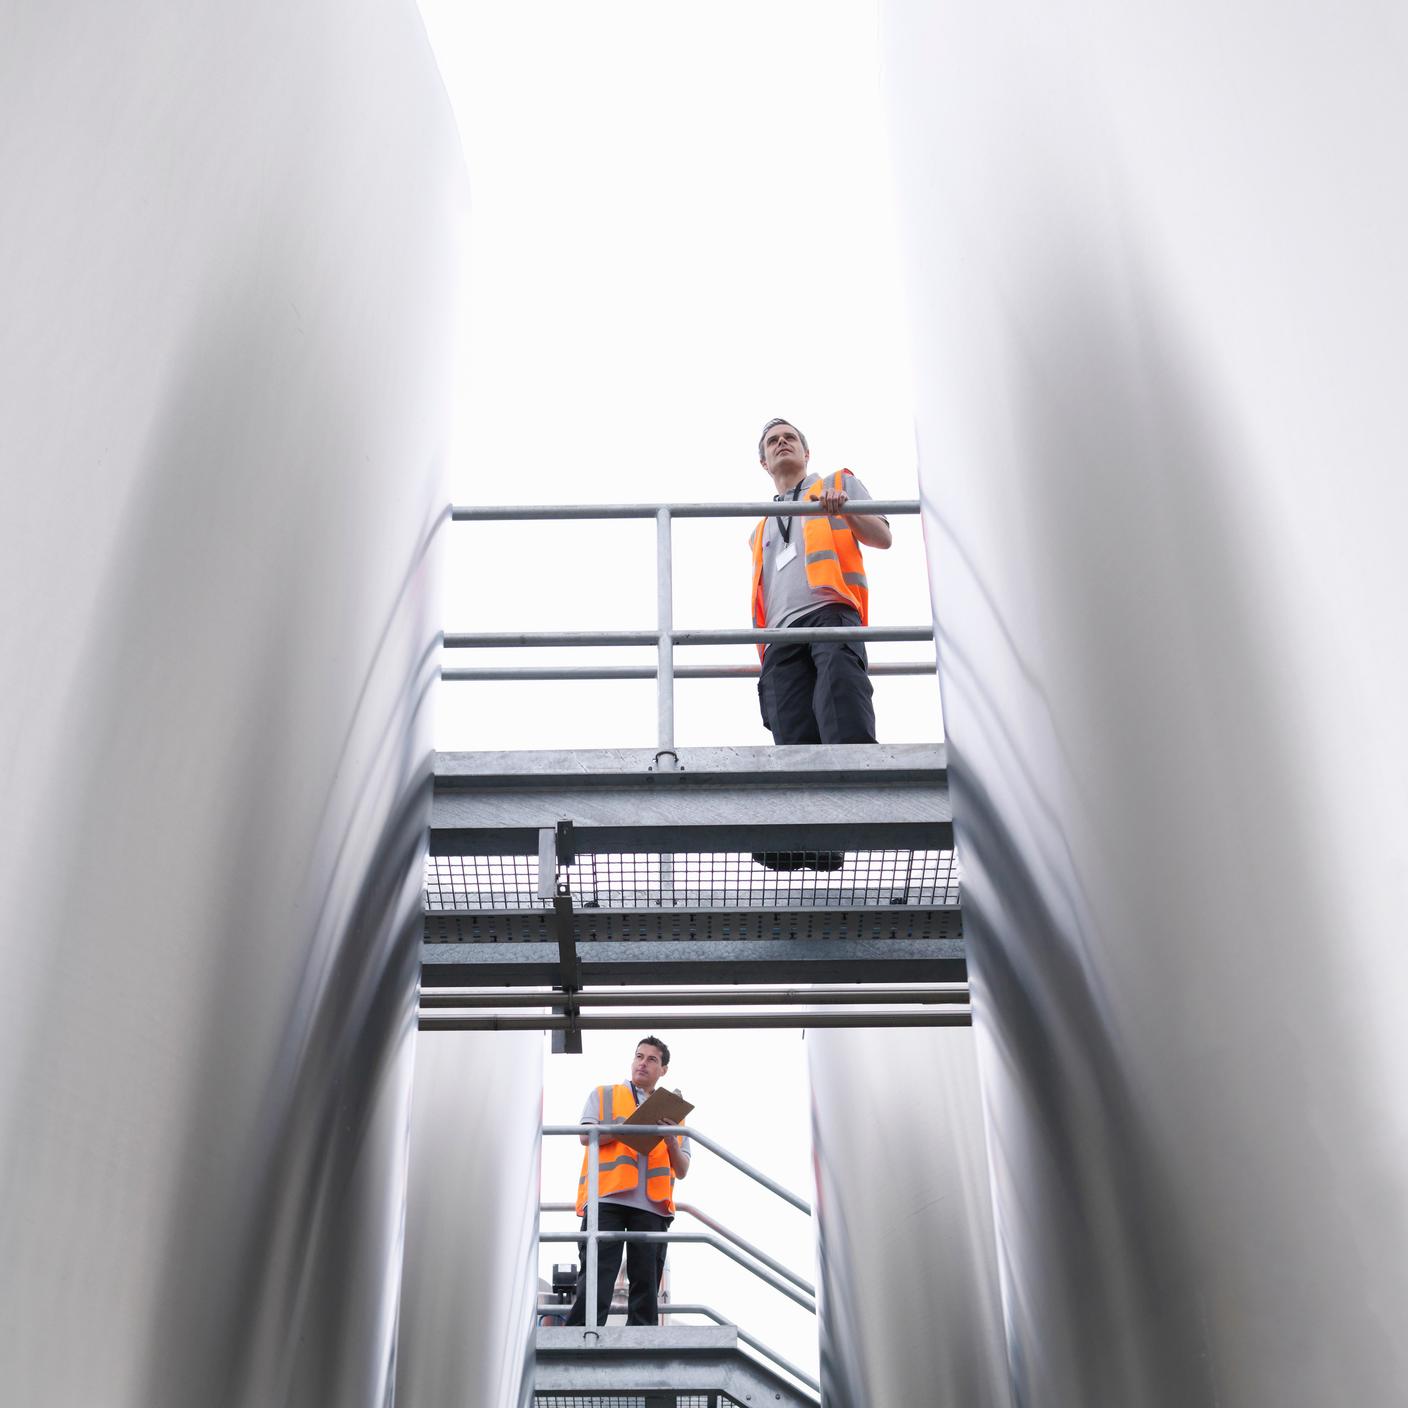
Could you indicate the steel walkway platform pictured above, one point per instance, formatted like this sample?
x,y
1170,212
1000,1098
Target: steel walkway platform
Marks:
x,y
655,1367
658,855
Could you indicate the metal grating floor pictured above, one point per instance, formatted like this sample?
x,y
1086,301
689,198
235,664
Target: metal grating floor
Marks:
x,y
482,885
654,1399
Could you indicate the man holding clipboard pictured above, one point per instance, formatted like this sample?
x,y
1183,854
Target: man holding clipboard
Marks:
x,y
637,1185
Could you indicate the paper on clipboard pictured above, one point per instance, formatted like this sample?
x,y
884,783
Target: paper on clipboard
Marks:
x,y
659,1106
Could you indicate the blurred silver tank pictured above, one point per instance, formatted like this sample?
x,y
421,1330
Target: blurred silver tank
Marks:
x,y
1155,263
909,1306
226,273
471,1265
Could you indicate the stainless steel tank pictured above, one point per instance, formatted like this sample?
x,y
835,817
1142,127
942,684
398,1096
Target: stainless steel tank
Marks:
x,y
226,291
909,1307
471,1266
1154,255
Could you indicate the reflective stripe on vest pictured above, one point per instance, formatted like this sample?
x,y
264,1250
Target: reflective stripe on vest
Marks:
x,y
833,559
618,1171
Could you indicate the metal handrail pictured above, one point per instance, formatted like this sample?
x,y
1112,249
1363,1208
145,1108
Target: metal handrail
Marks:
x,y
650,672
795,635
699,1137
704,1238
665,637
768,508
800,1282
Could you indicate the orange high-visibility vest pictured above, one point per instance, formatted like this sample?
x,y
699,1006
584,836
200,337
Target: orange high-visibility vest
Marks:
x,y
618,1172
832,557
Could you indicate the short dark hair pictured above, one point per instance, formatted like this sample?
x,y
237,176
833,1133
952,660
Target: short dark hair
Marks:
x,y
778,420
656,1042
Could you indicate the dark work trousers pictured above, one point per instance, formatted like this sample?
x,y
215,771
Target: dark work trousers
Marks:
x,y
818,693
645,1265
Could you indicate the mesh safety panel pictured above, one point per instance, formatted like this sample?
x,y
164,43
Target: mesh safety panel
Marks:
x,y
696,881
632,1400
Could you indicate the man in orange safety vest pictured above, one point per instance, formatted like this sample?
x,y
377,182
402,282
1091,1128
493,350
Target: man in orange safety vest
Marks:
x,y
808,571
637,1193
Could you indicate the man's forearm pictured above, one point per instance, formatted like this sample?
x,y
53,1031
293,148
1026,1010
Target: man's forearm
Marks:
x,y
679,1160
870,529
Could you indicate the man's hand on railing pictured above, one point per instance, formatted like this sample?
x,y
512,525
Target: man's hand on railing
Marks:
x,y
871,529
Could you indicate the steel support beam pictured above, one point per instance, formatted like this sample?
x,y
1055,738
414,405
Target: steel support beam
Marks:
x,y
853,796
949,995
707,961
439,1021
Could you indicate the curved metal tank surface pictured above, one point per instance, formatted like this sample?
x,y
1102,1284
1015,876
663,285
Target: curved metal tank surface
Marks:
x,y
224,323
1155,265
909,1308
470,1281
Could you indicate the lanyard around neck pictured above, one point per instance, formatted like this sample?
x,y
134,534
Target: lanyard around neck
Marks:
x,y
784,522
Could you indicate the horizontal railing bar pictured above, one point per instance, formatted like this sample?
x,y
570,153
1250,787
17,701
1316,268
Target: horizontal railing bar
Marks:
x,y
800,1282
504,640
798,635
442,998
648,672
804,635
699,1137
713,1225
432,1021
699,1238
559,1309
499,513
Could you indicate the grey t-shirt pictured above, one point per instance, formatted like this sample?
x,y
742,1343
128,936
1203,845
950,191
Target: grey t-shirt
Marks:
x,y
632,1197
786,592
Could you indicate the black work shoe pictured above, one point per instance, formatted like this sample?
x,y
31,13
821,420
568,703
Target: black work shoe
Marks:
x,y
782,860
801,860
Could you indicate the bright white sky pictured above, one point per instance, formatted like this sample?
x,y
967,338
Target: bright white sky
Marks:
x,y
680,227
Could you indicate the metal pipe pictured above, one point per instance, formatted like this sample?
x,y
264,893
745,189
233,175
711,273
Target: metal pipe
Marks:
x,y
205,1089
505,640
712,1145
432,1021
665,688
593,1228
701,1238
543,640
906,1326
648,672
801,635
800,1282
485,1267
498,513
442,999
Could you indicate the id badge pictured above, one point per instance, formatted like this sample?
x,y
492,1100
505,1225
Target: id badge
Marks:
x,y
785,556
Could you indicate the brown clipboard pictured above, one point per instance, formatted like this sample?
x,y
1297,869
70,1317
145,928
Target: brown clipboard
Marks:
x,y
659,1106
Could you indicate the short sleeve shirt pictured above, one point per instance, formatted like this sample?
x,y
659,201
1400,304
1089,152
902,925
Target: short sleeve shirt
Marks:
x,y
786,592
631,1197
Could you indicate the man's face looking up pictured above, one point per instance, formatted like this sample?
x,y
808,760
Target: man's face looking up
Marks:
x,y
783,452
646,1067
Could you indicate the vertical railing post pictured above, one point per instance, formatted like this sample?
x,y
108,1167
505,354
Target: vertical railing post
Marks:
x,y
665,672
666,759
590,1269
